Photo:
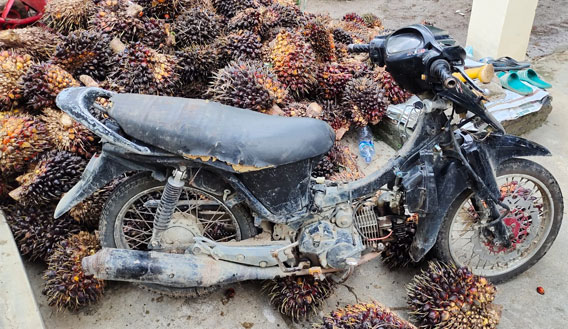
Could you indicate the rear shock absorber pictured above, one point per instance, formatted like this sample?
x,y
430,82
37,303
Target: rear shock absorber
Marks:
x,y
167,206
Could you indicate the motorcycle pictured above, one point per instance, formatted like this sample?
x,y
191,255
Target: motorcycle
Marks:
x,y
223,194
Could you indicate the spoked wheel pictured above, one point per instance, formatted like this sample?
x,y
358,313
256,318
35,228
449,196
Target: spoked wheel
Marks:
x,y
127,222
536,205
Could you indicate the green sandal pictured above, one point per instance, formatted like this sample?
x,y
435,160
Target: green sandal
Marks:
x,y
531,77
512,81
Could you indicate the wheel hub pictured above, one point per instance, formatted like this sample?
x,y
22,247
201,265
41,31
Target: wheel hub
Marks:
x,y
181,231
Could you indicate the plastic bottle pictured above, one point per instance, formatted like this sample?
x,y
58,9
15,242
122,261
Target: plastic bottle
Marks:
x,y
366,145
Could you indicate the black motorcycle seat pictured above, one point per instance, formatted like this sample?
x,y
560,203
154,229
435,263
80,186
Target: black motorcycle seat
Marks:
x,y
207,130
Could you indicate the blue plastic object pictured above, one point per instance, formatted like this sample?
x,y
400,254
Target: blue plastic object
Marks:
x,y
366,145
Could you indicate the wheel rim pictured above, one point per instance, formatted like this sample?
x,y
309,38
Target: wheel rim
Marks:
x,y
530,220
133,227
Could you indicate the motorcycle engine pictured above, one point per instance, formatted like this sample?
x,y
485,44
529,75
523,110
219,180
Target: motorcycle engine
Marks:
x,y
331,244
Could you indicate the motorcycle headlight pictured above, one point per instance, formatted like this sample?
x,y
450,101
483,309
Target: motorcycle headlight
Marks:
x,y
403,42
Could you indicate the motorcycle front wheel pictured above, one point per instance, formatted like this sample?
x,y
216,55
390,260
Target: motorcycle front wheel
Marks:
x,y
535,200
128,216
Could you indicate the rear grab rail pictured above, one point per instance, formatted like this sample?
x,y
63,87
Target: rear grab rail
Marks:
x,y
76,101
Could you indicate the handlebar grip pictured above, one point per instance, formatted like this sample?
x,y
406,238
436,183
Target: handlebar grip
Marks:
x,y
358,48
441,71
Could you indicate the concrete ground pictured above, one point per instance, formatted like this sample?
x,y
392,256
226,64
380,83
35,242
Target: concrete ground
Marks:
x,y
125,305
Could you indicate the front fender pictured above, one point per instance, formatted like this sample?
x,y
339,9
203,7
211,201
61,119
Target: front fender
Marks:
x,y
502,147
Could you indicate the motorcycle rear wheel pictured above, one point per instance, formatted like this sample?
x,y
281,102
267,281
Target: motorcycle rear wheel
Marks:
x,y
118,230
536,203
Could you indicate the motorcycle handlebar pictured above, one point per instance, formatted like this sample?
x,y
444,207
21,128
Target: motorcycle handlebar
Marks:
x,y
441,71
358,48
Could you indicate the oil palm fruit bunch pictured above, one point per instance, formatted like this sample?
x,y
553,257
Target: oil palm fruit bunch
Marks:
x,y
230,8
396,252
167,9
35,230
196,65
393,90
88,211
67,286
334,114
298,297
249,19
12,67
248,85
144,70
85,52
22,138
363,96
241,45
331,81
353,17
67,134
363,316
297,109
327,165
321,40
347,161
35,41
197,26
294,62
341,36
65,16
54,174
288,15
371,20
447,296
42,82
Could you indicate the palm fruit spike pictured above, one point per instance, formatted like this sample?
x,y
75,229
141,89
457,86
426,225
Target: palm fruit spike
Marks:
x,y
445,296
197,26
145,71
230,8
321,39
85,52
65,16
36,41
335,115
327,165
294,62
167,9
12,67
331,79
22,138
353,17
67,134
362,95
241,45
371,20
396,252
43,82
88,212
341,36
248,85
303,109
298,297
54,174
66,285
248,19
35,230
363,316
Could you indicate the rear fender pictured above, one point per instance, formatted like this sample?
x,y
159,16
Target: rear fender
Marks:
x,y
99,172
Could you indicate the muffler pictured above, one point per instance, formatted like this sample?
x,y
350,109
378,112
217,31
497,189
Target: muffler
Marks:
x,y
176,270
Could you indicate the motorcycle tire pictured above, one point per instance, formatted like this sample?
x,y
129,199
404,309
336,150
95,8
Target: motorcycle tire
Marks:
x,y
143,182
513,166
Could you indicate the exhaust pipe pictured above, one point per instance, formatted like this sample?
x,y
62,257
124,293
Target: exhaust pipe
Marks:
x,y
177,270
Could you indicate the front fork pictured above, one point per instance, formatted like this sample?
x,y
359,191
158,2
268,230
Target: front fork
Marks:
x,y
167,206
